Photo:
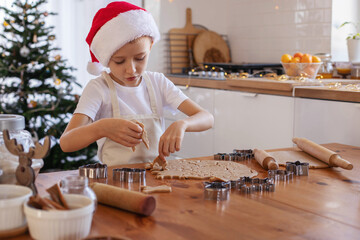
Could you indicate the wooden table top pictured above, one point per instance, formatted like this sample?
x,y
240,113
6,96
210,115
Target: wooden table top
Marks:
x,y
323,205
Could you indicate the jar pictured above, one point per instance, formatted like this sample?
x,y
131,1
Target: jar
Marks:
x,y
326,69
77,185
15,124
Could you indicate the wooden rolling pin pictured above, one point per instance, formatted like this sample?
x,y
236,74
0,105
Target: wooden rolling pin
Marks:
x,y
124,199
322,153
265,160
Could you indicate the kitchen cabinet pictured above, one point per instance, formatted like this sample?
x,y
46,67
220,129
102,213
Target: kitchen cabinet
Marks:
x,y
324,121
195,144
242,120
249,120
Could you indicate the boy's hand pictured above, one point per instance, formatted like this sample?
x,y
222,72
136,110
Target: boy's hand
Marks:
x,y
122,131
172,138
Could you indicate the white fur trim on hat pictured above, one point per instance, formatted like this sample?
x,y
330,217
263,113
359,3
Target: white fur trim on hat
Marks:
x,y
94,68
120,30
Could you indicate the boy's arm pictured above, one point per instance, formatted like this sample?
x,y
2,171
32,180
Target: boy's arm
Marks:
x,y
81,132
198,120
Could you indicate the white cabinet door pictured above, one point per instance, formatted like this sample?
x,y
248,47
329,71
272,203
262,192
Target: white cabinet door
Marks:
x,y
195,144
325,121
248,120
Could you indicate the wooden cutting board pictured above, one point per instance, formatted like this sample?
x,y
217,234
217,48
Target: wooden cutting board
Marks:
x,y
180,43
210,47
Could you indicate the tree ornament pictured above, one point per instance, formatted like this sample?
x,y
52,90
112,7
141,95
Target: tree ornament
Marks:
x,y
12,21
3,54
57,57
46,14
24,51
57,81
32,104
5,23
35,38
51,37
36,21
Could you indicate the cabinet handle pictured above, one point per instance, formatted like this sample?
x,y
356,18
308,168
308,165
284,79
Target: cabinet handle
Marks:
x,y
247,94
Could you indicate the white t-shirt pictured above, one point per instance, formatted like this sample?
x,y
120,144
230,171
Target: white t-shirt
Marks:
x,y
95,100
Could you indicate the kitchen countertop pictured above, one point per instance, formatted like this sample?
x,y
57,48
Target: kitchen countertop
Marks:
x,y
283,88
323,205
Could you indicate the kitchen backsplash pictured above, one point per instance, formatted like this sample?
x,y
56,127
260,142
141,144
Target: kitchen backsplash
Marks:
x,y
263,30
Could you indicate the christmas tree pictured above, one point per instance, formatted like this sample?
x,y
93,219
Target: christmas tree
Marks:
x,y
36,82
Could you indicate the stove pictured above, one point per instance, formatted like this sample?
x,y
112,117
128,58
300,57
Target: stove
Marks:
x,y
218,71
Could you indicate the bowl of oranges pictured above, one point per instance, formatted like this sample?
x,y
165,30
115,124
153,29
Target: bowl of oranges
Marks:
x,y
301,65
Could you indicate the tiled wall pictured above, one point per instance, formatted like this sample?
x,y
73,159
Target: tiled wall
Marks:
x,y
263,30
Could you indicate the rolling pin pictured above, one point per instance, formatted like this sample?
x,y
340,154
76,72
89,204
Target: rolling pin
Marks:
x,y
322,153
124,199
265,160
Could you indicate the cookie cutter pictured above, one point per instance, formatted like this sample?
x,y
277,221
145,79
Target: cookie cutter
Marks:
x,y
129,175
247,185
236,155
280,175
96,170
298,168
218,191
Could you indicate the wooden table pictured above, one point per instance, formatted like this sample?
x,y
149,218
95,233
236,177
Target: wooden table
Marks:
x,y
323,205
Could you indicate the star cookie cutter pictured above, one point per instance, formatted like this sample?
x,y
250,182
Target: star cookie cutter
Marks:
x,y
298,168
247,185
280,175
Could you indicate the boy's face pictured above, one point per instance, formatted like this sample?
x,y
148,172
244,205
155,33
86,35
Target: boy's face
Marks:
x,y
129,62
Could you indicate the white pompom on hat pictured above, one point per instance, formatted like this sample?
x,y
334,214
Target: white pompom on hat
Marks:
x,y
114,26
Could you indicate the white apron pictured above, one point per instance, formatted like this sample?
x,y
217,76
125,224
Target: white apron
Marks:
x,y
114,153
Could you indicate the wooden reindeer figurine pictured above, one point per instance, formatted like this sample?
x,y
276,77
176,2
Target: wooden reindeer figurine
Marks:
x,y
24,173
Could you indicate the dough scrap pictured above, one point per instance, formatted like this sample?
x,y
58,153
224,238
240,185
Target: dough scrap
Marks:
x,y
203,170
156,189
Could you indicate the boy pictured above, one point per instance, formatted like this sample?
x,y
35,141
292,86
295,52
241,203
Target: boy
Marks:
x,y
121,38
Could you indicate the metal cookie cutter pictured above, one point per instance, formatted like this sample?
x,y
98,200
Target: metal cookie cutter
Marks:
x,y
218,191
130,175
96,170
247,185
280,175
298,168
244,154
236,155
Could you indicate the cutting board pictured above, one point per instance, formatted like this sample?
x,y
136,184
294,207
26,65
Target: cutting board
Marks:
x,y
180,44
210,47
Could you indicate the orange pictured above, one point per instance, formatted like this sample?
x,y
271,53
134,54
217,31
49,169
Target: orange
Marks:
x,y
316,59
295,60
298,54
306,58
286,58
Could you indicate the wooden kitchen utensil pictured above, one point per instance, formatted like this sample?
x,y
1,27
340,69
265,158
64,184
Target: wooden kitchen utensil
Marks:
x,y
322,153
210,47
181,43
265,160
124,199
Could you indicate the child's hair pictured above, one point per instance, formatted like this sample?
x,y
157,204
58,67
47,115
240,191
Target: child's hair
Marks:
x,y
114,26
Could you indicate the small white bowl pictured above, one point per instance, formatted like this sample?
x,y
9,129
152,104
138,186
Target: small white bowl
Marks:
x,y
12,199
61,224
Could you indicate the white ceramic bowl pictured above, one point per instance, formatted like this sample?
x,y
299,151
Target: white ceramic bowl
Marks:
x,y
61,224
12,199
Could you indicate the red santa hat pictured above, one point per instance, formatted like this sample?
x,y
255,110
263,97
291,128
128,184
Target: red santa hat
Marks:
x,y
114,26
